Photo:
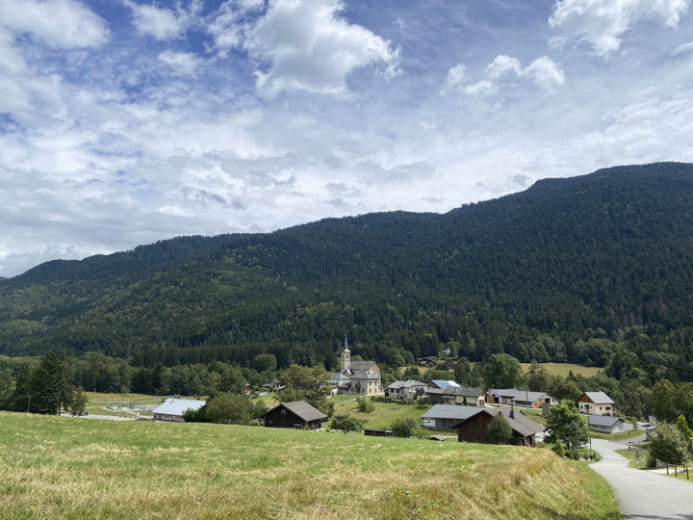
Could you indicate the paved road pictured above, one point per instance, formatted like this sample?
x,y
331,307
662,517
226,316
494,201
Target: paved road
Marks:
x,y
643,495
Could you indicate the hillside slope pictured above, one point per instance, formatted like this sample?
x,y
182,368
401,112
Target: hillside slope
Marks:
x,y
602,252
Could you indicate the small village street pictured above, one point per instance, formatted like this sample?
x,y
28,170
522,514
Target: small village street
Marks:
x,y
643,495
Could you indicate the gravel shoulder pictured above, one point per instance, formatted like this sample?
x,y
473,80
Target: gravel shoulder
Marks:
x,y
643,495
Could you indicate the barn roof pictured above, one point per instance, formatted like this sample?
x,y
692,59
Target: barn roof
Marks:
x,y
304,411
603,420
451,411
178,407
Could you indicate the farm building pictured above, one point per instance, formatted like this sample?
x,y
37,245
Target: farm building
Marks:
x,y
446,416
475,427
174,409
295,414
605,423
463,395
521,398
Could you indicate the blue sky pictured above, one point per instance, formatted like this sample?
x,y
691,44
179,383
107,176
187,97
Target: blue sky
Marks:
x,y
123,122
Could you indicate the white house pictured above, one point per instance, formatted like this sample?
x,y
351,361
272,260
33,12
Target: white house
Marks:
x,y
595,403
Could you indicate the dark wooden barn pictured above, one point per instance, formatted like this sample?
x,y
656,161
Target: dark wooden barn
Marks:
x,y
296,414
475,428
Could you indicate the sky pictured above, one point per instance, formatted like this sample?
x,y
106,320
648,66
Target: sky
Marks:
x,y
124,122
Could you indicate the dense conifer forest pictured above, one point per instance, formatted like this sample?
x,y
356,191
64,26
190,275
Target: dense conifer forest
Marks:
x,y
589,269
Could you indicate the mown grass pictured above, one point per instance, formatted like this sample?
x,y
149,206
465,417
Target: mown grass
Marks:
x,y
563,369
382,416
67,468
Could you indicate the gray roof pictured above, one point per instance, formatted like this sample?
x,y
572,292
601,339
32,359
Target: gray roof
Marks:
x,y
178,406
599,398
464,391
405,384
519,395
303,410
520,423
442,383
361,365
451,411
607,421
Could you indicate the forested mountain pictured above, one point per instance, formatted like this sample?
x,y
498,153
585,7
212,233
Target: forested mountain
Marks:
x,y
569,269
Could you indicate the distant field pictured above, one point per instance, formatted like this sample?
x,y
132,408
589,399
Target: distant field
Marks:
x,y
77,469
562,369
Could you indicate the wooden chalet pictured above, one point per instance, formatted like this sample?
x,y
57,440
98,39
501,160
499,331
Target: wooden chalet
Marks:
x,y
295,414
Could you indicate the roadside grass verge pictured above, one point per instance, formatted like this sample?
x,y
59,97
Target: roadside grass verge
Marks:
x,y
618,436
76,469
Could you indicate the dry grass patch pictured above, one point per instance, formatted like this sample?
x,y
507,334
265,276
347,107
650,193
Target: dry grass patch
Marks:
x,y
112,470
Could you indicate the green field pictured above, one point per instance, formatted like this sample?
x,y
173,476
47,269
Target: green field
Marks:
x,y
563,369
69,468
384,414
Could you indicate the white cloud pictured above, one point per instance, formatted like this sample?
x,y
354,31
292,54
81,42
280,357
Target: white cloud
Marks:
x,y
183,63
160,23
602,23
543,72
58,23
685,48
309,47
502,65
456,76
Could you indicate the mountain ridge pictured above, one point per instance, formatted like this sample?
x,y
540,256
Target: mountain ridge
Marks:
x,y
607,250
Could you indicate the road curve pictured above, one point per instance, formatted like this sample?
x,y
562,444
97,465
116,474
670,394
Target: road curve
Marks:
x,y
643,495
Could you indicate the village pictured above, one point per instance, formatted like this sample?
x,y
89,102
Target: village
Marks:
x,y
456,411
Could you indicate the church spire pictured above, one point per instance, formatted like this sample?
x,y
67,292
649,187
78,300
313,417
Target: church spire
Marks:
x,y
346,356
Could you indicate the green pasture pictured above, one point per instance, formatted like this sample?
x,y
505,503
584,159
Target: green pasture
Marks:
x,y
76,468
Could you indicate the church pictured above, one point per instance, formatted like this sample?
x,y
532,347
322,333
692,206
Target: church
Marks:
x,y
356,377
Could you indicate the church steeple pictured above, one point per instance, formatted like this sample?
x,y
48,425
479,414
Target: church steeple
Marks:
x,y
346,356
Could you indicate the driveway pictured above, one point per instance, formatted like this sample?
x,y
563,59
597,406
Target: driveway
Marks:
x,y
643,495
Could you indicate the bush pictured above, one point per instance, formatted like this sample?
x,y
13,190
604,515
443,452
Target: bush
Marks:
x,y
365,405
347,423
406,427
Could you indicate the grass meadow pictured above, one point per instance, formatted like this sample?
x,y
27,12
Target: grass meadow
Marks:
x,y
563,369
69,468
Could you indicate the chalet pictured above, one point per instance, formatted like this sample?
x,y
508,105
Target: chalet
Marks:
x,y
475,427
356,377
447,416
295,414
521,398
463,395
409,389
595,403
605,423
173,410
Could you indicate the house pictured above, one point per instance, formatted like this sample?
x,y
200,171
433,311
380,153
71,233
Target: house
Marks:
x,y
273,385
174,409
521,398
295,414
356,377
475,427
447,416
464,395
409,389
605,423
595,403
